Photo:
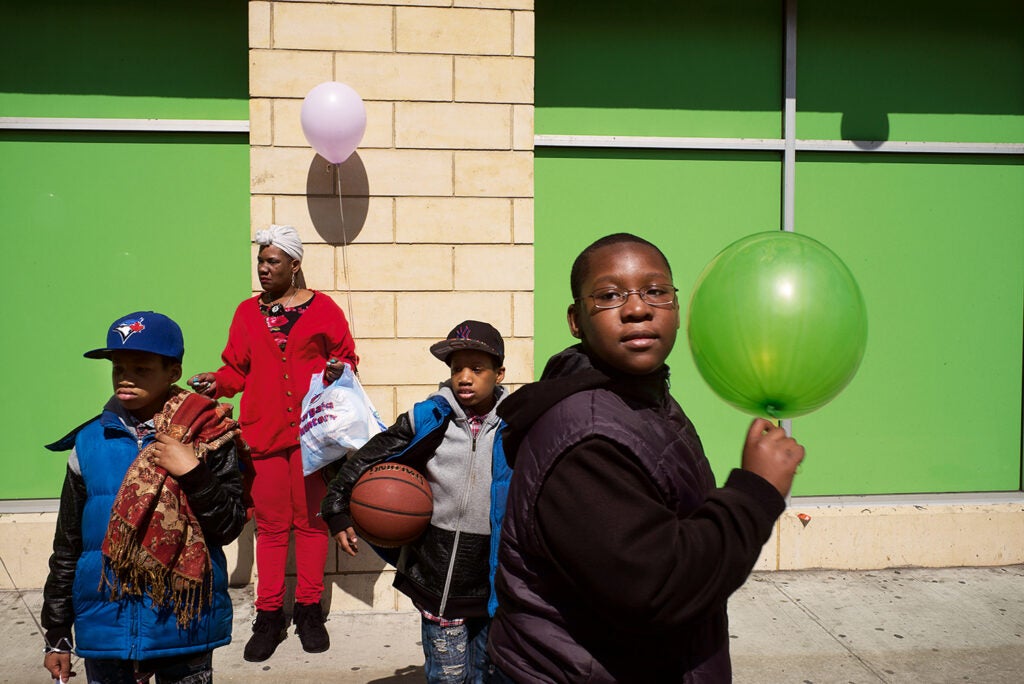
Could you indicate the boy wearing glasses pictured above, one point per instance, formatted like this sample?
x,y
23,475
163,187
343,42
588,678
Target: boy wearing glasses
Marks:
x,y
618,554
454,439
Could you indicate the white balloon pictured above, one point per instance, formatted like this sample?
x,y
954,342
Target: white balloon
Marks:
x,y
333,120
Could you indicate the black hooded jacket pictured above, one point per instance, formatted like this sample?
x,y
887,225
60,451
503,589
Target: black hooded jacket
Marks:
x,y
618,554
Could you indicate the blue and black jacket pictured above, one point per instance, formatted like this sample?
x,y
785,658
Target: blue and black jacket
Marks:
x,y
130,628
449,571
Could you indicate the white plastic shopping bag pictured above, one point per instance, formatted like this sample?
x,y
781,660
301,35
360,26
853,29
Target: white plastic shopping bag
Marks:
x,y
335,420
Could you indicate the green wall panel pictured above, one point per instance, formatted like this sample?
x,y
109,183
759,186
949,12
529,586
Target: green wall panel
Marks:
x,y
116,59
937,245
701,68
691,205
911,70
99,226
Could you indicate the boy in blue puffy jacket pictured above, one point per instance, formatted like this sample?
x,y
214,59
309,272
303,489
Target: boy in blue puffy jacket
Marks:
x,y
152,493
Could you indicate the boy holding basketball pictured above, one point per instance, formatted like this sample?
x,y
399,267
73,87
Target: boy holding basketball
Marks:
x,y
618,554
453,438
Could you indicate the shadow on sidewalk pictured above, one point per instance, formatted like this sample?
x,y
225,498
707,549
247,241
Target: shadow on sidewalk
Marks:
x,y
402,676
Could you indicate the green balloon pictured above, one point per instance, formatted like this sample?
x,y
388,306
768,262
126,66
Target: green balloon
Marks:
x,y
777,324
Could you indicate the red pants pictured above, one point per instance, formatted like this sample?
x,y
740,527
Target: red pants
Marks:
x,y
285,500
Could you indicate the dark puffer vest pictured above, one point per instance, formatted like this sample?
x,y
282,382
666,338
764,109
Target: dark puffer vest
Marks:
x,y
534,640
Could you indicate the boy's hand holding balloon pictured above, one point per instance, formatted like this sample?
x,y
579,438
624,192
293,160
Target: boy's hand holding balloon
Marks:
x,y
772,454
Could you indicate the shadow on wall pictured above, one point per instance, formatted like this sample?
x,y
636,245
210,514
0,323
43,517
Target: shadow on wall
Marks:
x,y
868,128
362,572
240,574
358,578
337,222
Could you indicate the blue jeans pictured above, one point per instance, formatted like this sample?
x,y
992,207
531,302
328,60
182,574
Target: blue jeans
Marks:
x,y
194,668
456,654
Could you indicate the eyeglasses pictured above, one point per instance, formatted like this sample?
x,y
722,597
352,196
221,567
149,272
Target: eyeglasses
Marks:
x,y
613,297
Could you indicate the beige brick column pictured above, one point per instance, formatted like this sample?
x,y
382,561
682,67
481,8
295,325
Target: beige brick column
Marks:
x,y
437,200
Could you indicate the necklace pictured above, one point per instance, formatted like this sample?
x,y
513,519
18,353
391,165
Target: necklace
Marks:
x,y
277,309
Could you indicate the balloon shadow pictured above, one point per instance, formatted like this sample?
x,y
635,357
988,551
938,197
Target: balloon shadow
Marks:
x,y
865,127
337,222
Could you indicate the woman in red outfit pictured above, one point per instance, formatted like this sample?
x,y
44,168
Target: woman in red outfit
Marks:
x,y
277,340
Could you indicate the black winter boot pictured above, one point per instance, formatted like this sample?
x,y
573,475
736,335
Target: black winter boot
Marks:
x,y
309,625
268,630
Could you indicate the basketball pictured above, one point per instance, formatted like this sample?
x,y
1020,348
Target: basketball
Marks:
x,y
391,505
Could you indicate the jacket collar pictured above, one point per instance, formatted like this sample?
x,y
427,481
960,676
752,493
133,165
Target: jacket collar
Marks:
x,y
569,372
444,390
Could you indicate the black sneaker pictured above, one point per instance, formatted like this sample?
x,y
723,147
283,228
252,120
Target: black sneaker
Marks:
x,y
268,630
309,625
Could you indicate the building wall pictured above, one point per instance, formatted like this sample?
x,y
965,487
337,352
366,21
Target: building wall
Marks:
x,y
853,533
684,108
123,182
120,179
437,201
438,207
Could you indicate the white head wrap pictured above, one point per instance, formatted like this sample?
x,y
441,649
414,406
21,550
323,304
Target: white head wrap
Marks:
x,y
285,238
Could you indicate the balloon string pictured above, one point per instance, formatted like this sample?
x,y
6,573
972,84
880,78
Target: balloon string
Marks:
x,y
344,249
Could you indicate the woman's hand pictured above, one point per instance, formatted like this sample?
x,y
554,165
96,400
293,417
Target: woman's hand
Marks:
x,y
204,383
58,665
333,370
773,455
348,541
173,456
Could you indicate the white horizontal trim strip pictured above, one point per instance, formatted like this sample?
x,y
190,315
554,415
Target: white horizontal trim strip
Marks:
x,y
908,146
950,499
29,506
156,125
642,142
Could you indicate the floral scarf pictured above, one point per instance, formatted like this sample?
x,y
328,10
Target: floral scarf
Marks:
x,y
154,545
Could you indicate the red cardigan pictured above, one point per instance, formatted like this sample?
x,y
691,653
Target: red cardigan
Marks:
x,y
275,381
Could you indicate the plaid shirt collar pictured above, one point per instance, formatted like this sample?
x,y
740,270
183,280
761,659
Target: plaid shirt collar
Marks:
x,y
476,422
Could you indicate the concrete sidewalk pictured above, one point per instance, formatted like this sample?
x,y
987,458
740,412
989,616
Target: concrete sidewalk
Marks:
x,y
822,627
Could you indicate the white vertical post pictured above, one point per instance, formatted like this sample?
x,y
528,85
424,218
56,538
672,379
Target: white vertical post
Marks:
x,y
789,120
789,134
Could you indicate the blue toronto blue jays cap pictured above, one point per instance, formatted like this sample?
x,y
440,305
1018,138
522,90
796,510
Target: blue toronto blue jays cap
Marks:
x,y
145,331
